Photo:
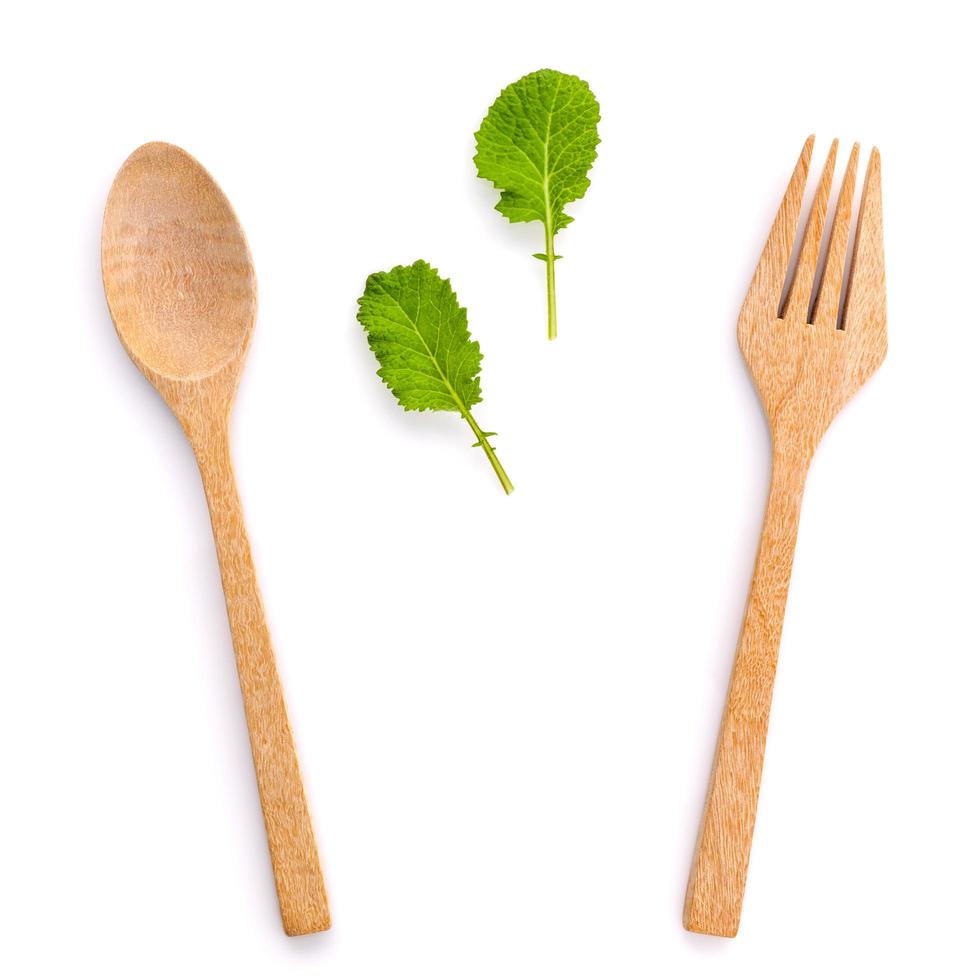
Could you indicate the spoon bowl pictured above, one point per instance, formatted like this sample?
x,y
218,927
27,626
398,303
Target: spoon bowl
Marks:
x,y
176,266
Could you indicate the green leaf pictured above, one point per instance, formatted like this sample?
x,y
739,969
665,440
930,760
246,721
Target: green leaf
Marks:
x,y
419,334
537,145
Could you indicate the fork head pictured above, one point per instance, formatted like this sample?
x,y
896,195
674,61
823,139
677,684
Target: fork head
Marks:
x,y
805,359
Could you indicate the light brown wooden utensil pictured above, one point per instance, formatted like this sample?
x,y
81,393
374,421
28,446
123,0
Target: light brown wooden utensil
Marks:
x,y
805,368
178,277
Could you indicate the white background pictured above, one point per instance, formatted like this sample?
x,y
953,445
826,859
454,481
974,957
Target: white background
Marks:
x,y
505,707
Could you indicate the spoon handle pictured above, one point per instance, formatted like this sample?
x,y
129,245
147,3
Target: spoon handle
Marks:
x,y
292,845
717,881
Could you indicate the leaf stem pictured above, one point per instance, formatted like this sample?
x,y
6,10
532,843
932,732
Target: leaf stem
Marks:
x,y
549,258
481,438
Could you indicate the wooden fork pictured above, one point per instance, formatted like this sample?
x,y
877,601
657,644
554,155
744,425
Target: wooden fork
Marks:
x,y
805,366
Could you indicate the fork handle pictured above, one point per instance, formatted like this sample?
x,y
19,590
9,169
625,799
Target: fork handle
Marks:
x,y
721,858
292,845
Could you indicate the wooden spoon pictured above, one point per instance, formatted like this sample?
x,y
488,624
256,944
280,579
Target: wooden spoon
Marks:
x,y
181,289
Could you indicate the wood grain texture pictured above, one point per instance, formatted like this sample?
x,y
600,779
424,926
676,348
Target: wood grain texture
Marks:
x,y
805,368
181,289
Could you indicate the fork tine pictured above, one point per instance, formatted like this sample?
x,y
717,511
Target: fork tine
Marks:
x,y
798,299
770,273
828,293
864,304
